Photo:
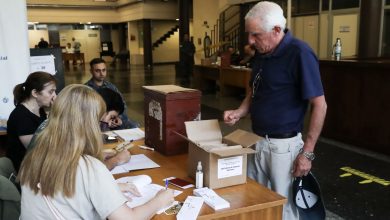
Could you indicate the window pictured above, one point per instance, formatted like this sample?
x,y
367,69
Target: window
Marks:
x,y
343,4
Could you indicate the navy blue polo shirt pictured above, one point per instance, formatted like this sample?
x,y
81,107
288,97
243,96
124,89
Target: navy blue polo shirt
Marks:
x,y
282,83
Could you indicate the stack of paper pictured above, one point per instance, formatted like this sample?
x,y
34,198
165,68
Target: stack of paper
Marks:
x,y
136,162
130,134
211,198
190,209
146,188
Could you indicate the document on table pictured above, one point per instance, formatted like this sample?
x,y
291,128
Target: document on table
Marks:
x,y
130,134
136,162
146,188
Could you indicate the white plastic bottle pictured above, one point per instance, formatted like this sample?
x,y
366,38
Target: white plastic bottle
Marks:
x,y
337,49
199,176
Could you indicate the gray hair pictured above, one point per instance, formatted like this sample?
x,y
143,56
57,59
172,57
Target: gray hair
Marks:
x,y
269,14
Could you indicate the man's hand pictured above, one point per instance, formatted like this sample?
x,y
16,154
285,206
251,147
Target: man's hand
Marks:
x,y
302,166
230,117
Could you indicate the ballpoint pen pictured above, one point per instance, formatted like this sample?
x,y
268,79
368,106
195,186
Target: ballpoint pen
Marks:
x,y
146,148
166,184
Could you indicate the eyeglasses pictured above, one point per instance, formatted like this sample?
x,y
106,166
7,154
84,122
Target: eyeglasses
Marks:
x,y
256,82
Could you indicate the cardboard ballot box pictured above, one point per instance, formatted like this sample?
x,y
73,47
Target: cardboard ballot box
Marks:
x,y
166,108
224,159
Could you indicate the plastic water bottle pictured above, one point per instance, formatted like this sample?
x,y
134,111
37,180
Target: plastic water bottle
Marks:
x,y
199,176
337,49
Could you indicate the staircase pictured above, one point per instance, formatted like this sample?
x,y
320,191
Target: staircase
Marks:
x,y
165,36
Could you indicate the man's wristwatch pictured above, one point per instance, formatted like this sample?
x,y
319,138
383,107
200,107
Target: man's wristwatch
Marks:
x,y
309,155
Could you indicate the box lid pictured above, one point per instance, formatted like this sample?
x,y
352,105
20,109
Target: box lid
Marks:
x,y
244,138
205,130
165,89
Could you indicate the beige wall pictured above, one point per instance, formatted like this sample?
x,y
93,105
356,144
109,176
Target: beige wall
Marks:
x,y
34,36
323,37
53,15
168,51
149,10
142,10
306,29
89,39
204,10
346,28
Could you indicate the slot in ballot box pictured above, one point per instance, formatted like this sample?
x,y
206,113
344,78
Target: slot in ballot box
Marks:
x,y
166,108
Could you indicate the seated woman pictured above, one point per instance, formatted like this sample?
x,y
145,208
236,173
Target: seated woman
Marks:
x,y
64,176
31,97
109,120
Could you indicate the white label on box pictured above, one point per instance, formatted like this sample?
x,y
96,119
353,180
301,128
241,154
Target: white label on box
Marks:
x,y
155,111
230,166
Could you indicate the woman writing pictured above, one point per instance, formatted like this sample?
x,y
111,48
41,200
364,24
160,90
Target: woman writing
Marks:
x,y
30,98
63,176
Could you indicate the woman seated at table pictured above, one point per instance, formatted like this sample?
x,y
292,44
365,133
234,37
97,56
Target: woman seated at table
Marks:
x,y
64,176
31,97
110,119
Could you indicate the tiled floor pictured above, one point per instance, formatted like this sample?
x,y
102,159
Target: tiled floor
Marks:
x,y
345,197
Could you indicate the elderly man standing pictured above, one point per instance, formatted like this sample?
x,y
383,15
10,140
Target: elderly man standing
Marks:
x,y
285,81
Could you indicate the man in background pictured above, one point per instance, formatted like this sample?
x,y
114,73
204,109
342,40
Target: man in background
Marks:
x,y
76,45
234,56
99,73
43,44
187,51
76,49
249,56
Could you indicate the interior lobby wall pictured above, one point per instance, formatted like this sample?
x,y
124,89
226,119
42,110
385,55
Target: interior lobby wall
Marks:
x,y
89,39
204,10
34,36
306,29
74,15
136,53
148,10
168,51
346,28
324,46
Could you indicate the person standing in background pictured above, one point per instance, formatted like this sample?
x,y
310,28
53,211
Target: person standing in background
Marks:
x,y
76,45
285,81
76,49
43,44
187,51
249,56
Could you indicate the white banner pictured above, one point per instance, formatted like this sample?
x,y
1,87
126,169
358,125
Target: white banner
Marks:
x,y
14,51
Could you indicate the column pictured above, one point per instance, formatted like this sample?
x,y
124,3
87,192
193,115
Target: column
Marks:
x,y
148,54
369,28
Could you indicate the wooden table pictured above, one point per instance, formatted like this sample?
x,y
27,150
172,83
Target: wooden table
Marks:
x,y
229,79
247,201
66,57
